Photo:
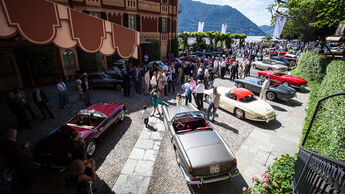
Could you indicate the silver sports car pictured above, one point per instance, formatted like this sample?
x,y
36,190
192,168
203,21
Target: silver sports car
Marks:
x,y
201,153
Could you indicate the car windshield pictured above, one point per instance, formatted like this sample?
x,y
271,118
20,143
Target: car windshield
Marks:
x,y
104,75
189,115
248,98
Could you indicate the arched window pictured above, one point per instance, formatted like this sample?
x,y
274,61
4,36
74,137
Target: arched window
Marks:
x,y
68,59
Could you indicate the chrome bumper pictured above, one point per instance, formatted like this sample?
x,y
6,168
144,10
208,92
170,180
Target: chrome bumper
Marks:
x,y
208,180
263,120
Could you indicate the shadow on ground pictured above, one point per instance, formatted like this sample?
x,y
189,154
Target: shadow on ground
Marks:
x,y
272,125
278,108
235,186
225,126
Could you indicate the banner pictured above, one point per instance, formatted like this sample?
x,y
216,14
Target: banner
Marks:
x,y
280,22
201,27
223,28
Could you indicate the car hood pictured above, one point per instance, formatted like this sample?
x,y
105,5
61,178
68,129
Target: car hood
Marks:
x,y
294,78
205,148
286,89
259,107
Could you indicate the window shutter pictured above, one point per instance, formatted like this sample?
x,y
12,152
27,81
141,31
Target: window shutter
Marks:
x,y
160,24
168,23
138,23
125,20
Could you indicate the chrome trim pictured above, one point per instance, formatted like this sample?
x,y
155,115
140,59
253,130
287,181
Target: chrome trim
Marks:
x,y
210,179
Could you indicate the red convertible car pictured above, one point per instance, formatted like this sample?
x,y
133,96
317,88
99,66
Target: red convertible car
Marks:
x,y
92,122
274,51
282,78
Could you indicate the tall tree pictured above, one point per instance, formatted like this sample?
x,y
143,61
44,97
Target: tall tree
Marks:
x,y
317,18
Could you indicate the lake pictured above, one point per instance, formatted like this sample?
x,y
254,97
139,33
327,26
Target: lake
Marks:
x,y
248,39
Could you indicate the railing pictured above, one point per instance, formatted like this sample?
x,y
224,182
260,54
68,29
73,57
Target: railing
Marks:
x,y
315,173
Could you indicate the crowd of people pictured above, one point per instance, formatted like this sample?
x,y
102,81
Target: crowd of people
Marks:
x,y
193,77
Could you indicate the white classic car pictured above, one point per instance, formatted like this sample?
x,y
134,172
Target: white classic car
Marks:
x,y
243,104
269,65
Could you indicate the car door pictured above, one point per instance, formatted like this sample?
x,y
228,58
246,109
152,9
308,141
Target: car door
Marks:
x,y
275,78
229,102
256,87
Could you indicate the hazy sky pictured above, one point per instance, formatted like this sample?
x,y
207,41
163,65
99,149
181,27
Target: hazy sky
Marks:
x,y
255,10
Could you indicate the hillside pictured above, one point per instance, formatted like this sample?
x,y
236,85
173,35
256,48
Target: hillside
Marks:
x,y
267,29
214,16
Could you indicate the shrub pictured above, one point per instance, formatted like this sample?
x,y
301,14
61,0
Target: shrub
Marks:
x,y
311,66
277,178
87,61
152,49
327,134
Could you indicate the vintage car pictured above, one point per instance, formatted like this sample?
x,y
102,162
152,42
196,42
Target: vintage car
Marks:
x,y
102,79
269,65
201,153
243,104
282,78
91,122
275,91
283,61
292,58
274,52
171,61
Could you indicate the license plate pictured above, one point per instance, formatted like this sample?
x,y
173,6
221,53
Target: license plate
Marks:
x,y
215,168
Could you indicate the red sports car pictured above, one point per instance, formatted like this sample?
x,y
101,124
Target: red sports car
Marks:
x,y
275,52
282,78
92,122
291,57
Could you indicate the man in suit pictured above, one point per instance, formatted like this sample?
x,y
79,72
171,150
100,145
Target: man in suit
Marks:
x,y
42,102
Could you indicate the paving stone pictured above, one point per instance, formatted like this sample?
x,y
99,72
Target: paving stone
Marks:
x,y
137,153
129,167
144,144
144,185
155,136
144,168
150,155
261,156
145,135
131,185
121,180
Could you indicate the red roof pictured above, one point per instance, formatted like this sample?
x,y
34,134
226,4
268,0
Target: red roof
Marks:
x,y
241,92
105,108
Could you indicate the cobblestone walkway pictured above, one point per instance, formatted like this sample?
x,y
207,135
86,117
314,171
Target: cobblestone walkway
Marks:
x,y
136,173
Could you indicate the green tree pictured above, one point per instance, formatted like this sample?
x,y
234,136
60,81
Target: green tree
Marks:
x,y
184,36
267,37
211,36
292,30
228,40
317,18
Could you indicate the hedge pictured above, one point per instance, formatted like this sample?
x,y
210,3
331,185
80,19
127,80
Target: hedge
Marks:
x,y
311,66
327,134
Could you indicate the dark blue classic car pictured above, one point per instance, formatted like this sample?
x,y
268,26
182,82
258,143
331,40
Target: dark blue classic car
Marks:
x,y
275,91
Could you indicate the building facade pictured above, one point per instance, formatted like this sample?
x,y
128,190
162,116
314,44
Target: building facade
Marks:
x,y
154,19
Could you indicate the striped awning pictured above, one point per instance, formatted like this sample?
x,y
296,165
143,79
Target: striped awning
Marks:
x,y
44,22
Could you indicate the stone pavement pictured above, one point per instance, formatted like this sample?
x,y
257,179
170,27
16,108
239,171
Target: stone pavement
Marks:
x,y
136,173
262,145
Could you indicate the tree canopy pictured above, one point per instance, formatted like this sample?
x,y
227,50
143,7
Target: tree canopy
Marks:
x,y
316,18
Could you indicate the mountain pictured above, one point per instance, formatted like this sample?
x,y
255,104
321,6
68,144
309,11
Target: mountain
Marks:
x,y
214,16
267,29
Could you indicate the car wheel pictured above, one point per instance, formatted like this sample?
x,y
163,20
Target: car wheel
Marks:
x,y
271,96
240,85
254,66
118,87
91,148
261,75
285,83
239,113
269,69
122,115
